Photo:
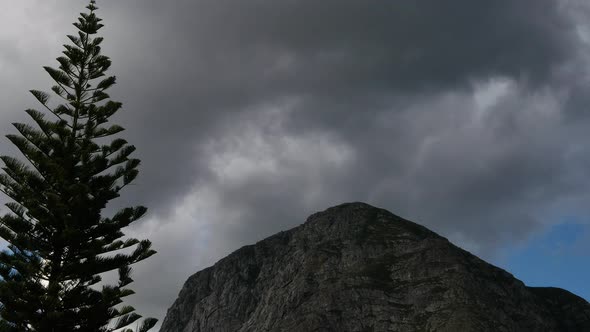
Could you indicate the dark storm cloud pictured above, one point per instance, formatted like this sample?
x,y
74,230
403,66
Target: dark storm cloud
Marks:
x,y
186,68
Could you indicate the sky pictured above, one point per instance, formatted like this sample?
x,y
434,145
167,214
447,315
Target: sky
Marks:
x,y
470,118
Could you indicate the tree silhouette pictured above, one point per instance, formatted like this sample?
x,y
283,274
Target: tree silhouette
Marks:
x,y
59,243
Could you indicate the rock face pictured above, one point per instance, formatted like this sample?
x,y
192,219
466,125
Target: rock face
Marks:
x,y
355,267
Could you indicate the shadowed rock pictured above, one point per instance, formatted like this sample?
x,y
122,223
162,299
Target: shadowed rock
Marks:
x,y
355,267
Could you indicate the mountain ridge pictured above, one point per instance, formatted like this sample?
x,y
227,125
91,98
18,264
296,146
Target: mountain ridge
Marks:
x,y
354,267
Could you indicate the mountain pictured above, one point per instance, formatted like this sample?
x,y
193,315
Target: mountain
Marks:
x,y
355,267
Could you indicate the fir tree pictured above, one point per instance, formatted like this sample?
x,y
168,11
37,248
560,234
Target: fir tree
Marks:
x,y
59,244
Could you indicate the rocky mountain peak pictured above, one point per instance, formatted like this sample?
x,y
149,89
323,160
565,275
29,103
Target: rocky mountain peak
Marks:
x,y
354,267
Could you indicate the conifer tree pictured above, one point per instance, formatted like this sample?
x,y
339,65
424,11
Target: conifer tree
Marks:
x,y
59,243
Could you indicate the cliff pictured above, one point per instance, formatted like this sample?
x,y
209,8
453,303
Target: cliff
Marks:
x,y
355,267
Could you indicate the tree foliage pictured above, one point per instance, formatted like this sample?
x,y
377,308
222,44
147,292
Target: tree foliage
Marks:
x,y
59,243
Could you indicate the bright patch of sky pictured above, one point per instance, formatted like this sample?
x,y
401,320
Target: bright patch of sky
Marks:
x,y
488,93
548,257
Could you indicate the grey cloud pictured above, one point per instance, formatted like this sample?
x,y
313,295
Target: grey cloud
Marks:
x,y
185,69
197,64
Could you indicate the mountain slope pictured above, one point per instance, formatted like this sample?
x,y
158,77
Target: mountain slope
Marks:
x,y
355,267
